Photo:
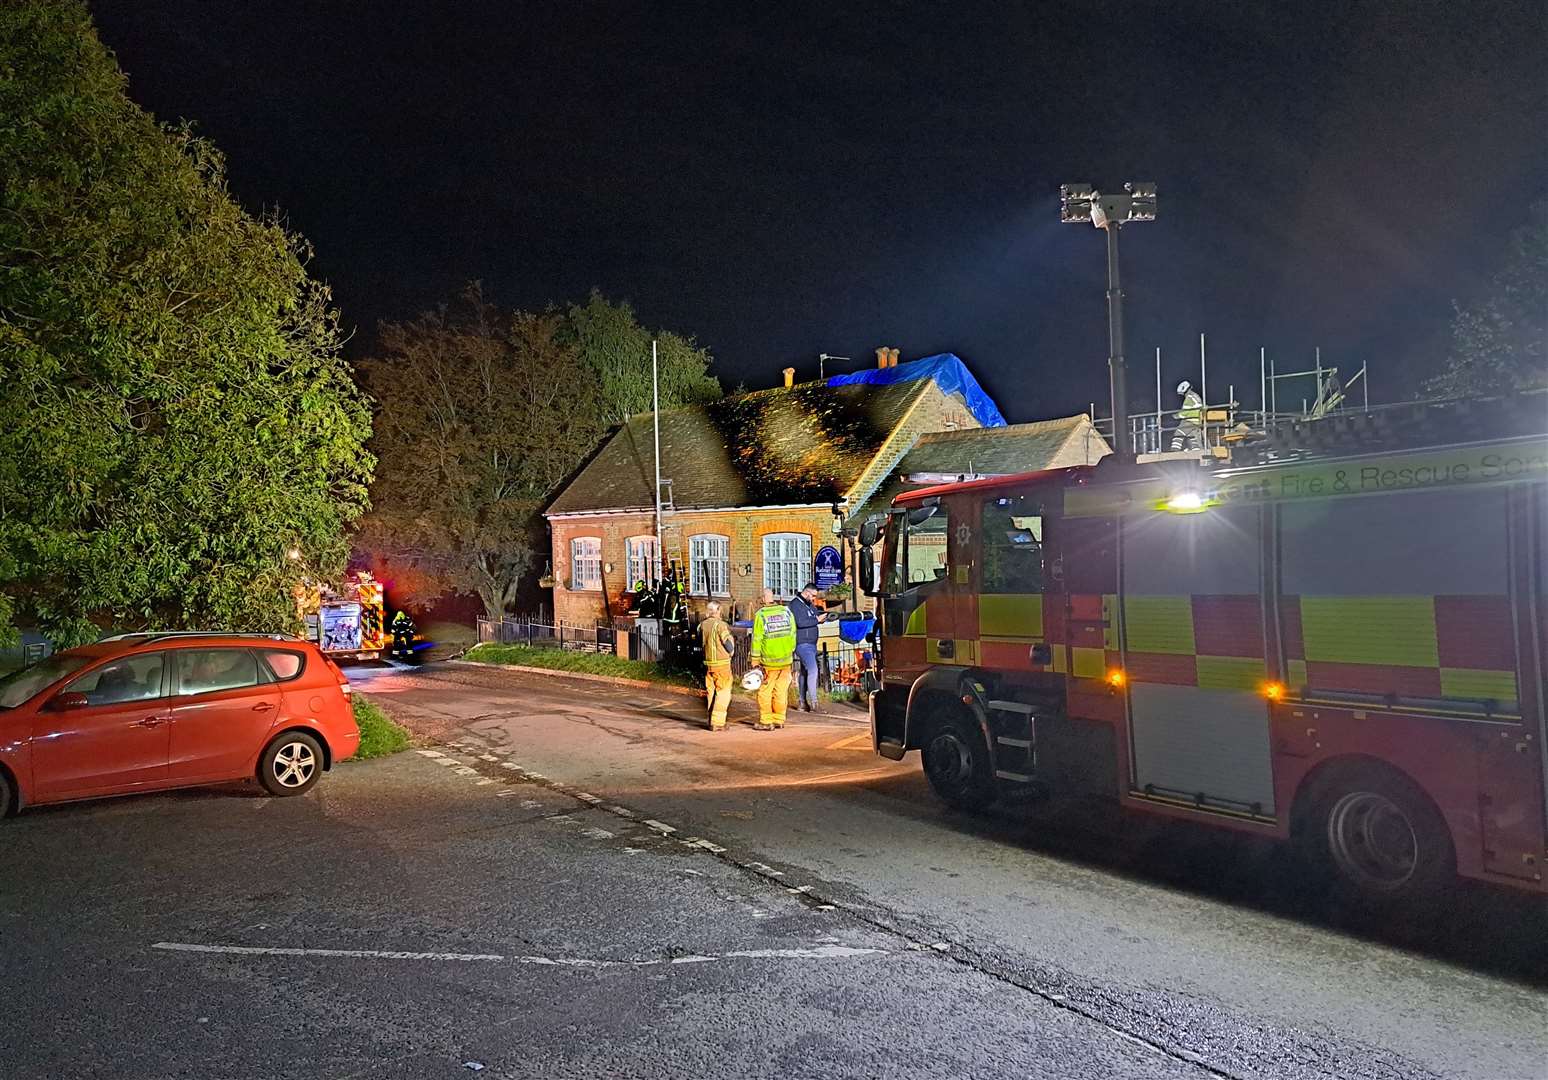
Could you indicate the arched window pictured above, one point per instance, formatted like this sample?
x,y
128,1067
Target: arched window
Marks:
x,y
644,559
787,563
709,565
586,563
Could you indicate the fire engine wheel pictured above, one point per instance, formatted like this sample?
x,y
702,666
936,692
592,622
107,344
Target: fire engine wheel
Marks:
x,y
1382,837
956,762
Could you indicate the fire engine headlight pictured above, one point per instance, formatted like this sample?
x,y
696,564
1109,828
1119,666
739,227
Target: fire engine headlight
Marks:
x,y
1185,502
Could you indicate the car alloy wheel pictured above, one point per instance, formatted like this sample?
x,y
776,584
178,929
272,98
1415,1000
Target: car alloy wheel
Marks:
x,y
294,764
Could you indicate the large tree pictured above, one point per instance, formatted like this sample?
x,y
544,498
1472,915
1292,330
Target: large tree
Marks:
x,y
175,415
1498,341
482,414
617,348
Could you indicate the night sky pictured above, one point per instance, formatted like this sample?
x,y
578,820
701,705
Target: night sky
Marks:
x,y
785,180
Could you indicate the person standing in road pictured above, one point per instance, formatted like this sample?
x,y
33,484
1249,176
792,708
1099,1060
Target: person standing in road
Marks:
x,y
773,644
807,619
718,644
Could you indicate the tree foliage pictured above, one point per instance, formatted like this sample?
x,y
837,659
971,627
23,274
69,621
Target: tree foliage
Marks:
x,y
482,414
1498,342
174,411
617,348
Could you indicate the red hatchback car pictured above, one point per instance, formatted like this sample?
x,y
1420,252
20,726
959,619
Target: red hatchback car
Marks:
x,y
148,712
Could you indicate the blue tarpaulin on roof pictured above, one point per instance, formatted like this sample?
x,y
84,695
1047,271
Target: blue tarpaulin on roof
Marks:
x,y
949,373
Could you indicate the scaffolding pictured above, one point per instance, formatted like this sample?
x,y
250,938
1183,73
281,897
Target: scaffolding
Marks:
x,y
1225,422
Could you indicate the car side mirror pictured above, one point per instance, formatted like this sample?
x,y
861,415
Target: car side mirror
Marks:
x,y
870,532
66,702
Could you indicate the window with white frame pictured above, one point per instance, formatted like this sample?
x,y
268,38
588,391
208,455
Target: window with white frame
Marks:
x,y
586,562
709,565
787,563
644,559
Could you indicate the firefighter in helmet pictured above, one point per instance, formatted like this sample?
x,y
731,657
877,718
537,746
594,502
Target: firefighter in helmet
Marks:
x,y
402,634
715,636
773,646
1190,419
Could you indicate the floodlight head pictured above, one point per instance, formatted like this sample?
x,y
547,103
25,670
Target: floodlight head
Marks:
x,y
1075,202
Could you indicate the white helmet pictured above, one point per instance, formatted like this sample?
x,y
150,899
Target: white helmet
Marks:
x,y
753,679
1184,386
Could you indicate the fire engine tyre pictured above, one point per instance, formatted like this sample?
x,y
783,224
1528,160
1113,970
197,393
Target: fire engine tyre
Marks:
x,y
1380,837
291,764
958,765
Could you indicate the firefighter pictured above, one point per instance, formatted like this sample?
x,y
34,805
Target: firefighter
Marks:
x,y
715,637
1190,419
773,644
807,619
402,634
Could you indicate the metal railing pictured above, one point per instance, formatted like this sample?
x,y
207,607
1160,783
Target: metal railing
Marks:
x,y
545,634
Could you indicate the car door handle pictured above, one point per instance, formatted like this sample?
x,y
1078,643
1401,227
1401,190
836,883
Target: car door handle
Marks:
x,y
263,706
152,721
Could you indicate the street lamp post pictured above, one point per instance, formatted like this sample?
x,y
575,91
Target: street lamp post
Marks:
x,y
1137,202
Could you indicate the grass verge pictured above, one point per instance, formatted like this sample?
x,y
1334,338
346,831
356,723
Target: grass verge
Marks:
x,y
379,736
590,663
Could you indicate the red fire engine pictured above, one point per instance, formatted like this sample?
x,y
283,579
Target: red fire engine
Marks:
x,y
1337,638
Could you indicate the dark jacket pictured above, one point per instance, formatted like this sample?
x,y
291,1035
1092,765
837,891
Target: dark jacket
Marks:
x,y
805,620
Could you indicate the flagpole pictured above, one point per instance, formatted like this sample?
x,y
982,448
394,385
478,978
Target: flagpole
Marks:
x,y
655,418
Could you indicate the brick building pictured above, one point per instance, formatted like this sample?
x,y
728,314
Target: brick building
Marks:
x,y
753,486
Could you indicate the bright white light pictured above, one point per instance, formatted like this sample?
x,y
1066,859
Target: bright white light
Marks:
x,y
1185,501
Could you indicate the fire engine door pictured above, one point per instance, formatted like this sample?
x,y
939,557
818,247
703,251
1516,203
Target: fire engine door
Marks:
x,y
1193,653
920,613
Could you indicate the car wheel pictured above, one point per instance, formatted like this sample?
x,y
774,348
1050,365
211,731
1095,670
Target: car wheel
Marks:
x,y
7,796
291,764
1380,838
956,762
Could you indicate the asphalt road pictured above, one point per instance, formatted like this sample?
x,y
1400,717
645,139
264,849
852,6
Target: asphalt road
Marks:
x,y
574,880
1202,944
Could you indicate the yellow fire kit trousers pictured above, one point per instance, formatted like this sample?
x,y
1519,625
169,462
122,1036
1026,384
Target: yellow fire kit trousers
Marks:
x,y
717,686
774,696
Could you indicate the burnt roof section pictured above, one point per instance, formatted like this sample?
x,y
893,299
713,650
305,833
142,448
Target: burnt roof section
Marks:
x,y
801,445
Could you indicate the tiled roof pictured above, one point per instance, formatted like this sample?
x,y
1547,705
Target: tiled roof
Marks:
x,y
799,445
943,456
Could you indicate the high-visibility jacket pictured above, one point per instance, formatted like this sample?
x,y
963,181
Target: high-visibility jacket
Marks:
x,y
718,643
1192,411
774,637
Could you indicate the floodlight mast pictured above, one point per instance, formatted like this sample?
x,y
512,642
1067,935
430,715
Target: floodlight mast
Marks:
x,y
1082,202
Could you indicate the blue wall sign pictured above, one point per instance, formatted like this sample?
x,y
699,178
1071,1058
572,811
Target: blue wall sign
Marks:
x,y
828,566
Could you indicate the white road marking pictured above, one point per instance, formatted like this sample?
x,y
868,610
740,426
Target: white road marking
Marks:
x,y
361,954
818,952
530,804
586,796
446,761
659,826
765,869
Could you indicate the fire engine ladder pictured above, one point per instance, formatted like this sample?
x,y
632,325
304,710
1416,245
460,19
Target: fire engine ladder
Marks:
x,y
1015,745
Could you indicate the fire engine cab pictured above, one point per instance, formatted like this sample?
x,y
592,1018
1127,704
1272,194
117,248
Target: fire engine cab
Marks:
x,y
1336,637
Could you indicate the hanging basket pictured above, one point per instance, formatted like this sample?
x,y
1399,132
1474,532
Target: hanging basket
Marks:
x,y
546,581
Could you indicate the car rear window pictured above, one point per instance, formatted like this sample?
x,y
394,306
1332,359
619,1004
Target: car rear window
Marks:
x,y
208,671
284,665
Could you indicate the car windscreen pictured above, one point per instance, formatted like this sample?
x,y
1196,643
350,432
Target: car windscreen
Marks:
x,y
18,686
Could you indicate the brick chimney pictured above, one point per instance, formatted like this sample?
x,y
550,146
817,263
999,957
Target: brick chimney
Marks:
x,y
789,377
